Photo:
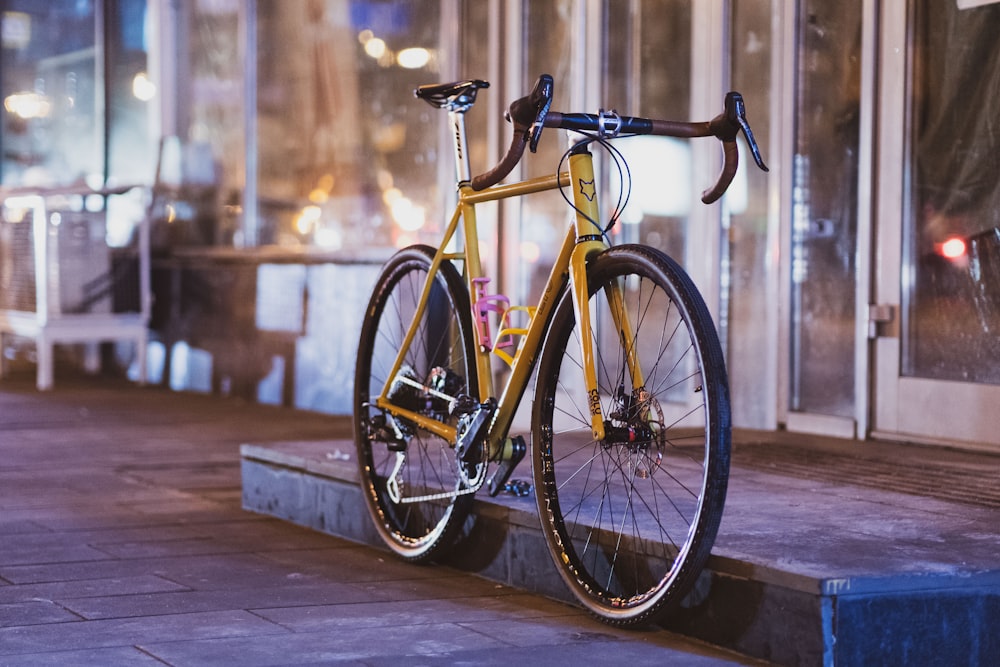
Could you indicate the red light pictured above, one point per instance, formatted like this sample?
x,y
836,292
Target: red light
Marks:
x,y
953,248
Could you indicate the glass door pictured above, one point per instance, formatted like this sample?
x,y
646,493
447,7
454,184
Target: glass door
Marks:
x,y
648,65
823,212
937,317
820,122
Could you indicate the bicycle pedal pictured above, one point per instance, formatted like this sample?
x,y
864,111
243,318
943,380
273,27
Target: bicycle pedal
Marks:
x,y
498,482
518,487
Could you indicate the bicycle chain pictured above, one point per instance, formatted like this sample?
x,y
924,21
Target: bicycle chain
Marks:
x,y
440,496
448,494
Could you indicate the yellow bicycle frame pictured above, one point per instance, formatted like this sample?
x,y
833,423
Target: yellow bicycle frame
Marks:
x,y
583,240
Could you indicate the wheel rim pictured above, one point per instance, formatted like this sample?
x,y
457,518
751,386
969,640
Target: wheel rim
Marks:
x,y
414,529
627,517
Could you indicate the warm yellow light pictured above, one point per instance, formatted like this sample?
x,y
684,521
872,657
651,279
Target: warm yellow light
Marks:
x,y
391,196
326,182
28,105
142,87
413,58
408,215
307,219
375,47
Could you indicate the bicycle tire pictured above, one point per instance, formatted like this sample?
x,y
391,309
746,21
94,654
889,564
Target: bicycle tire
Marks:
x,y
630,524
416,531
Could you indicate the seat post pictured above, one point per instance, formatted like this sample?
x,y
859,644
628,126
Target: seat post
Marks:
x,y
456,115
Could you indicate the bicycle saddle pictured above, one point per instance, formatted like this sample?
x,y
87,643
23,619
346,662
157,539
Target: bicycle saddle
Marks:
x,y
451,95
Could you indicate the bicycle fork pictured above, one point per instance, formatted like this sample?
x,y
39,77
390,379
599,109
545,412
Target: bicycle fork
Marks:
x,y
589,243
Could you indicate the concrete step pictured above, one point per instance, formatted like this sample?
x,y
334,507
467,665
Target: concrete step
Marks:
x,y
808,569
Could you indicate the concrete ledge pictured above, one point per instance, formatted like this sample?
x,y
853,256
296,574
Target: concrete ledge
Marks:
x,y
311,484
755,597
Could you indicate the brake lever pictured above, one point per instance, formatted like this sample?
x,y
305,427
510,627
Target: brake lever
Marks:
x,y
736,113
541,97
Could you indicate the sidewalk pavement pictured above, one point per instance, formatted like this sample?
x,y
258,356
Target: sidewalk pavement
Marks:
x,y
122,542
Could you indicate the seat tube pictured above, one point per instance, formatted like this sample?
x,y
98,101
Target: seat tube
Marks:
x,y
589,242
456,119
470,229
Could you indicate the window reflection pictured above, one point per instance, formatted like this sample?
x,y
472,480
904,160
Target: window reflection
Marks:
x,y
131,93
824,207
951,304
543,218
747,299
51,132
348,157
649,65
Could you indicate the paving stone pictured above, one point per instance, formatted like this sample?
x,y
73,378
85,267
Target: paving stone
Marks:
x,y
185,602
111,657
583,651
409,644
480,610
80,635
15,553
350,562
34,612
202,572
64,590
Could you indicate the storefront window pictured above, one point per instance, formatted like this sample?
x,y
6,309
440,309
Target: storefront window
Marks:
x,y
649,52
348,157
746,301
951,288
209,157
53,125
824,207
132,90
547,28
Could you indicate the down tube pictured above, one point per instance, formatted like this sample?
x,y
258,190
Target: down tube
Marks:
x,y
524,362
474,271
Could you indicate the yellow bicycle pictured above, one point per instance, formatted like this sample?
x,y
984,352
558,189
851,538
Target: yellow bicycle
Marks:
x,y
630,425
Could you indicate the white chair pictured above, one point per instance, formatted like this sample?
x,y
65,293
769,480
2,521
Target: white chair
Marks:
x,y
76,278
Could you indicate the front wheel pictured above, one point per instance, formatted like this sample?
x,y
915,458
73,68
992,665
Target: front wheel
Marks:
x,y
414,488
630,519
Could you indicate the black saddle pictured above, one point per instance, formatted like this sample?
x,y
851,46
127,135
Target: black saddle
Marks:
x,y
451,95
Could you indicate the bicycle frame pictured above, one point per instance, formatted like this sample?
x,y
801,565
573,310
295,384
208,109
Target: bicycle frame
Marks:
x,y
629,480
583,240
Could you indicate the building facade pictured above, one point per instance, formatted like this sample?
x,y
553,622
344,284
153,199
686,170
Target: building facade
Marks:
x,y
856,285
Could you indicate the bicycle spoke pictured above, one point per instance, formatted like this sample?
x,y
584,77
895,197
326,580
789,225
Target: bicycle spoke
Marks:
x,y
426,479
628,516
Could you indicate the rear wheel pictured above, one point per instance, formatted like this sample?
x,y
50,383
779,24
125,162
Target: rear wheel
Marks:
x,y
409,476
630,519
